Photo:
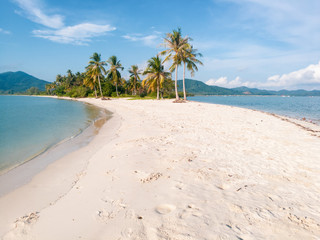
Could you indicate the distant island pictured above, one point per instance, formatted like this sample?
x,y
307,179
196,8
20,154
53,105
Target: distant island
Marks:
x,y
23,83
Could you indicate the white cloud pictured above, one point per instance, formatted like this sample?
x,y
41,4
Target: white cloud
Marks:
x,y
223,82
152,40
4,31
34,12
79,34
57,31
308,77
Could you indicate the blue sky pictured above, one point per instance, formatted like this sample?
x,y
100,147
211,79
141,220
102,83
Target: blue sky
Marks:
x,y
255,43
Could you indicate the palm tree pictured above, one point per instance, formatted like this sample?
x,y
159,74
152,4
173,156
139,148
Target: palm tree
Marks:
x,y
59,79
189,58
113,73
156,75
50,87
175,44
96,68
90,80
134,77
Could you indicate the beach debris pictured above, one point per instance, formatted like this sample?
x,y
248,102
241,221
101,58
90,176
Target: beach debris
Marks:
x,y
179,101
151,177
104,98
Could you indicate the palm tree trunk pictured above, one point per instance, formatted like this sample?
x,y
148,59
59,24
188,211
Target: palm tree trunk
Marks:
x,y
176,83
184,84
117,89
100,87
158,90
95,91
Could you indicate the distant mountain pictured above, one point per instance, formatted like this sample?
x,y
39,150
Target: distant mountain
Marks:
x,y
252,91
19,82
200,88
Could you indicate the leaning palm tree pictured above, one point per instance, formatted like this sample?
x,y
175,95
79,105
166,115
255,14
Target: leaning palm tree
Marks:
x,y
156,75
96,68
113,73
175,44
134,77
189,58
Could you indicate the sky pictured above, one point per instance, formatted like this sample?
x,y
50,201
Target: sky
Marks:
x,y
254,43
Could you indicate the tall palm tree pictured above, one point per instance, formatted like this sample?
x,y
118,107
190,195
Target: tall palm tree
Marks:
x,y
189,58
90,80
96,68
156,75
175,44
134,76
113,73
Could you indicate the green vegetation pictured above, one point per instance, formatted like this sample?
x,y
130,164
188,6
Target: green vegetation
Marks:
x,y
156,75
179,50
110,83
104,78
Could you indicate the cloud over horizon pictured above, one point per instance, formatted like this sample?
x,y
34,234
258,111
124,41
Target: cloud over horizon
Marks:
x,y
57,31
307,78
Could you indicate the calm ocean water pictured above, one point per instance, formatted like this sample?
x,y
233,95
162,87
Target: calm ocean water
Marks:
x,y
31,125
295,107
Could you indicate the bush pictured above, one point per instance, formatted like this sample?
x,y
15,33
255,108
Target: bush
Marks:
x,y
77,92
33,91
153,94
172,95
114,94
143,94
107,88
60,91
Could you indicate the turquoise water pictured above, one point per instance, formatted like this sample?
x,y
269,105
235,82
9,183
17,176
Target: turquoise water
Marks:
x,y
31,125
295,107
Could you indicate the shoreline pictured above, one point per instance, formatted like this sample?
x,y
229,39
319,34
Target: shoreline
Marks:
x,y
309,126
20,174
157,171
291,115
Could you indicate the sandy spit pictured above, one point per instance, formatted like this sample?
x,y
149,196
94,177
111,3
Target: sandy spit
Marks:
x,y
163,170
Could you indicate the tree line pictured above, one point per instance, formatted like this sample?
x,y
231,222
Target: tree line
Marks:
x,y
104,77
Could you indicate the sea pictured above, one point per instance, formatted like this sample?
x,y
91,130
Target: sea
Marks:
x,y
31,126
307,108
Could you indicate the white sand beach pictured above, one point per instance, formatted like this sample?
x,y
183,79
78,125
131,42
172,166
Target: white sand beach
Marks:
x,y
163,170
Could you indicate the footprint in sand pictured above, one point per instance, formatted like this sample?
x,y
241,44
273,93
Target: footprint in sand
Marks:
x,y
165,208
22,226
191,210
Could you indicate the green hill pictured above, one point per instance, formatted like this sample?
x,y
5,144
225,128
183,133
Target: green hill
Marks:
x,y
19,82
252,91
200,88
